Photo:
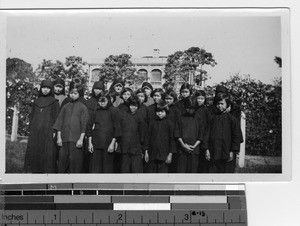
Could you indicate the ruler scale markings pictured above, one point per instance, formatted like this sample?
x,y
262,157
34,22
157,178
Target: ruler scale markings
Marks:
x,y
235,214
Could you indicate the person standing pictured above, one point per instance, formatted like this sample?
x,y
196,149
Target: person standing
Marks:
x,y
40,155
224,140
103,130
133,139
148,89
71,127
160,142
59,90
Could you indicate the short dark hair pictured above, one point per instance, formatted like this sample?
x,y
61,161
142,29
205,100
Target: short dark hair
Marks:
x,y
159,90
140,90
190,102
222,96
133,101
162,106
106,95
186,86
171,93
126,89
200,93
79,87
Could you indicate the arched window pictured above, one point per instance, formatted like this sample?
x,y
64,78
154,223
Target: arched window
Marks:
x,y
156,77
143,73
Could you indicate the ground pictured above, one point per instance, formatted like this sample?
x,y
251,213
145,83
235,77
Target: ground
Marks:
x,y
15,153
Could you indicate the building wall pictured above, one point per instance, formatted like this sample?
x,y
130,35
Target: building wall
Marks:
x,y
152,66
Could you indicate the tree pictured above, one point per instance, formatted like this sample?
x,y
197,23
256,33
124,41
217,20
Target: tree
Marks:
x,y
119,66
19,95
278,61
185,66
262,105
19,69
73,67
49,70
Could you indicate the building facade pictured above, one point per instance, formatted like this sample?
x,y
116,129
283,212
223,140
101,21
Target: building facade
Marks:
x,y
148,66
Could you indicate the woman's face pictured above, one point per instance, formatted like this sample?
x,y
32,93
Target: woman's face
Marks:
x,y
58,89
118,88
46,91
147,91
141,97
103,102
133,108
169,100
222,105
97,92
157,97
185,93
74,94
126,95
200,100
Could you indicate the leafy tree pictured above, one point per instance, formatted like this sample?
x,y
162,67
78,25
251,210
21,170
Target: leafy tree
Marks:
x,y
182,65
73,68
19,69
49,70
278,61
119,66
262,105
19,94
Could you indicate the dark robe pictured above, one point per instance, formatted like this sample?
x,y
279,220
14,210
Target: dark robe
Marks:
x,y
190,129
103,126
134,131
41,150
142,112
224,136
160,139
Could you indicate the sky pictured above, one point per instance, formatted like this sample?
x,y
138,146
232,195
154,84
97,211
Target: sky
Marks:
x,y
243,43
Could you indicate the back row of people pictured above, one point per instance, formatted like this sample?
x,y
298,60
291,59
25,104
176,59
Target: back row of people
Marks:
x,y
146,131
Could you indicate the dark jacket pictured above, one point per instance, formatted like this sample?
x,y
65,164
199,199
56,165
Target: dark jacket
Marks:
x,y
103,126
134,131
205,116
72,121
142,112
224,136
41,152
92,103
161,139
190,129
151,113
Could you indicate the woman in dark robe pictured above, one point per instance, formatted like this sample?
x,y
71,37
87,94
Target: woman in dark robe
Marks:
x,y
41,150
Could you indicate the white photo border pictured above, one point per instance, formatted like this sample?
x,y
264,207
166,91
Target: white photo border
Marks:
x,y
286,174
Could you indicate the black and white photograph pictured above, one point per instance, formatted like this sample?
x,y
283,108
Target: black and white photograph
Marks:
x,y
151,93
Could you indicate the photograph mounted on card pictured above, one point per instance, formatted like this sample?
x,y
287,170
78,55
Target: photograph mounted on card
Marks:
x,y
146,95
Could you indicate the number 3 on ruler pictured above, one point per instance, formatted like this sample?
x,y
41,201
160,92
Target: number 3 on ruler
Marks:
x,y
186,217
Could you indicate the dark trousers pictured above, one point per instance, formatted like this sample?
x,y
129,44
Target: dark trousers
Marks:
x,y
187,163
204,164
86,157
101,161
132,163
222,166
174,164
70,158
157,166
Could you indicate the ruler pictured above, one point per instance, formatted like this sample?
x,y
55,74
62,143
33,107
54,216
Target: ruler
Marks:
x,y
123,204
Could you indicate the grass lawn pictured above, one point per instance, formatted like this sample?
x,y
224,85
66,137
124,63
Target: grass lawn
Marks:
x,y
15,154
261,164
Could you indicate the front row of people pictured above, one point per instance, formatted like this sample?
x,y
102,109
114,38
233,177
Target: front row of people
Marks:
x,y
168,136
